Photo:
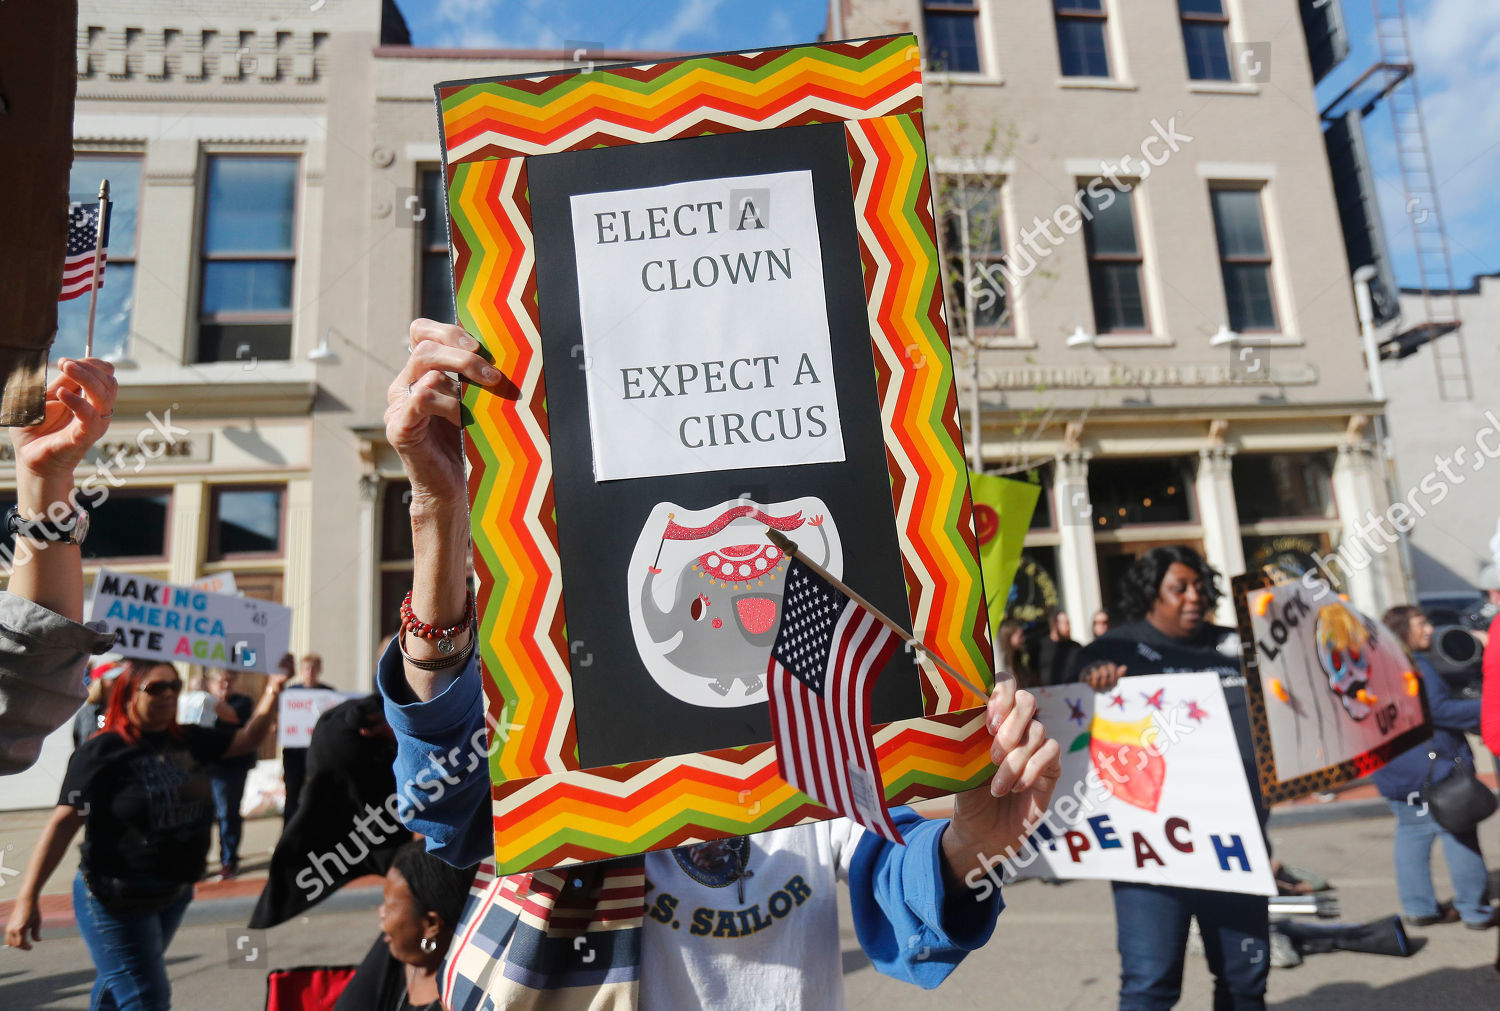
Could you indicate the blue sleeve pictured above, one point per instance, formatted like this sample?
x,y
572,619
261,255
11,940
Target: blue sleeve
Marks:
x,y
442,763
1449,710
910,924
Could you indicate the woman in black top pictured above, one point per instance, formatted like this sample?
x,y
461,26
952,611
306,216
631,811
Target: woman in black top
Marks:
x,y
419,909
139,790
1166,599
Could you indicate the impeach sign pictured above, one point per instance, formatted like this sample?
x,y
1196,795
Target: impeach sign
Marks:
x,y
1153,789
153,620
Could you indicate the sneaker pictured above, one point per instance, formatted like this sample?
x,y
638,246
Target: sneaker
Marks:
x,y
1445,914
225,873
1284,954
1486,923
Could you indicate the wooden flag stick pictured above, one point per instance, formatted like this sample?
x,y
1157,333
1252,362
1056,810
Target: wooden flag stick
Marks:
x,y
99,226
790,547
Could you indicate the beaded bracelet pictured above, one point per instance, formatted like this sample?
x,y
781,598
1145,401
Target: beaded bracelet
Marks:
x,y
444,636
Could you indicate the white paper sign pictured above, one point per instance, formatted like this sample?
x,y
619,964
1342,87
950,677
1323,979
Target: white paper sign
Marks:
x,y
199,709
1152,790
153,620
299,711
705,327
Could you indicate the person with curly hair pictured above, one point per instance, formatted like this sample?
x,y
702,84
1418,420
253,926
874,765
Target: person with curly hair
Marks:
x,y
1165,600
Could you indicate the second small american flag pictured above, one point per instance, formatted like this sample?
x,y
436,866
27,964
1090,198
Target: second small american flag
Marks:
x,y
823,666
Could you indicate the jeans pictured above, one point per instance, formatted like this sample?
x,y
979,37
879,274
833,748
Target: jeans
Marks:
x,y
1152,926
229,788
1415,830
129,954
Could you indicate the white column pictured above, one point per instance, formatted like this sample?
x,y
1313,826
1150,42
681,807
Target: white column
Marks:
x,y
297,593
1367,557
1077,564
163,313
186,535
369,583
1220,518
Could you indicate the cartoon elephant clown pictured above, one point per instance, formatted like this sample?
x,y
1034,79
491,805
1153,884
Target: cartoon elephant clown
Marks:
x,y
710,643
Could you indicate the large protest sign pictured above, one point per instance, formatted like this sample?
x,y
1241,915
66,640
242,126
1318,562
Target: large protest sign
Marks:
x,y
713,283
1152,790
153,620
1333,695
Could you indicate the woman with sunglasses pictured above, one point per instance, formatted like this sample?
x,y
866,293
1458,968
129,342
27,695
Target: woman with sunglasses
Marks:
x,y
141,793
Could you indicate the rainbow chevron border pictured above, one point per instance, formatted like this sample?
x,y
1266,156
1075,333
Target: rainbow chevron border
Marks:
x,y
552,812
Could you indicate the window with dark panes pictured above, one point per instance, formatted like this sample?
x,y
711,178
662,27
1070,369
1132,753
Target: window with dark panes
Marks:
x,y
1041,517
1081,43
952,32
1116,263
974,212
249,257
437,267
1277,486
1142,490
1205,37
245,521
117,293
1245,257
395,553
130,524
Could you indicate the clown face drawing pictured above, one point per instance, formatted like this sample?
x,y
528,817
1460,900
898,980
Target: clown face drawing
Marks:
x,y
705,590
1345,648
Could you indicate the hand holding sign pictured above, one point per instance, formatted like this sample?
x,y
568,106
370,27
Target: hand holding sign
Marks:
x,y
995,819
424,411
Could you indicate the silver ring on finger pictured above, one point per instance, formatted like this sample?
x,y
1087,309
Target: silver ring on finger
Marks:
x,y
408,388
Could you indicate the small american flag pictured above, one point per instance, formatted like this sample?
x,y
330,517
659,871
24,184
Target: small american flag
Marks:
x,y
83,239
823,666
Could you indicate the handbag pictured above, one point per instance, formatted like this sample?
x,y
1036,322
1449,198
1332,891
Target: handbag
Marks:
x,y
1460,801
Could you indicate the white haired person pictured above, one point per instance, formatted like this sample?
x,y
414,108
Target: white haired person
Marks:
x,y
914,917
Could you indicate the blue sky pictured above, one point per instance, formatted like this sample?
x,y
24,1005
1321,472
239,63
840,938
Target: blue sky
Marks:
x,y
1456,44
688,25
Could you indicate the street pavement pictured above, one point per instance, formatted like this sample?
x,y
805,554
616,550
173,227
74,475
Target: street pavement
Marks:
x,y
1054,947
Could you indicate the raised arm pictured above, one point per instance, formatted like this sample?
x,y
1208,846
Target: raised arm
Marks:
x,y
43,646
262,719
80,402
423,422
436,708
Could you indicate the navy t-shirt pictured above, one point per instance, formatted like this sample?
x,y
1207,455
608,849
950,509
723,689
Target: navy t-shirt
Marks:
x,y
1141,648
148,807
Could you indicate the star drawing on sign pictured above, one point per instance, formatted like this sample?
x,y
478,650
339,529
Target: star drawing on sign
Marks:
x,y
1195,712
1075,711
1118,701
1154,700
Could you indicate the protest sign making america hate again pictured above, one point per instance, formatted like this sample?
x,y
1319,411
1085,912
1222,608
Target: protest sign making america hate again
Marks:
x,y
714,285
153,620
